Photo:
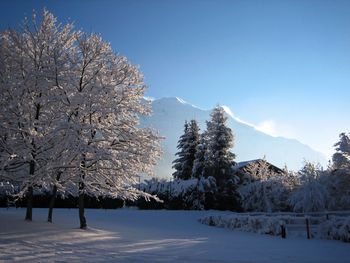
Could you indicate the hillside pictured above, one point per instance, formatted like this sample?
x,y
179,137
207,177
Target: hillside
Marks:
x,y
169,115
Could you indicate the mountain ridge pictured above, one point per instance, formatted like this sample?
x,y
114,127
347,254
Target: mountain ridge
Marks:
x,y
168,117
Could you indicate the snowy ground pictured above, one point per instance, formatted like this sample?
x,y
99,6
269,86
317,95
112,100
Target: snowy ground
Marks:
x,y
128,235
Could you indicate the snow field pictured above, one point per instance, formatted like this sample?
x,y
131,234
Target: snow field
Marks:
x,y
130,235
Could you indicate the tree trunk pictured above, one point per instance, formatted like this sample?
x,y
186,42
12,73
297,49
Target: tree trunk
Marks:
x,y
82,218
53,197
29,212
52,203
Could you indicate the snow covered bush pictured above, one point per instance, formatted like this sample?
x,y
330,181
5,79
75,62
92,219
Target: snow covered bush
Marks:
x,y
173,188
180,194
319,190
337,228
266,191
311,195
255,224
256,196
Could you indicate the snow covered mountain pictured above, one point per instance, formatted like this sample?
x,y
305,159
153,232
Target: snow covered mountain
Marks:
x,y
169,115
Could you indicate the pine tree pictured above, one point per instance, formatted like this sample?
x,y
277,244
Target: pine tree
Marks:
x,y
341,159
339,183
181,154
199,161
192,144
187,149
220,160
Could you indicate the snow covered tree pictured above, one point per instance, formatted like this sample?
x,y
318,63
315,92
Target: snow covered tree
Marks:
x,y
199,158
105,98
187,146
219,160
341,159
311,195
258,170
266,190
339,175
338,185
181,154
32,61
68,87
193,141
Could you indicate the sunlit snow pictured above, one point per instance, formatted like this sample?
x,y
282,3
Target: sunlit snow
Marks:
x,y
128,235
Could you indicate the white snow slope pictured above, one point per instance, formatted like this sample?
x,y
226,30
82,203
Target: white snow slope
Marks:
x,y
128,235
169,115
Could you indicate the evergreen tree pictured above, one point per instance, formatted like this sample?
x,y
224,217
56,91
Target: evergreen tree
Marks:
x,y
341,159
220,160
187,145
192,143
181,146
339,183
199,161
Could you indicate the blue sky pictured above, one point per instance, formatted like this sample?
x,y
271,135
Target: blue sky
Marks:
x,y
283,66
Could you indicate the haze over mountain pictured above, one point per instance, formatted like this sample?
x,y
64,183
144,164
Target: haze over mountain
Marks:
x,y
169,115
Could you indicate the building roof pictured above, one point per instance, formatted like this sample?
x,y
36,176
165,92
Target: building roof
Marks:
x,y
245,163
241,165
